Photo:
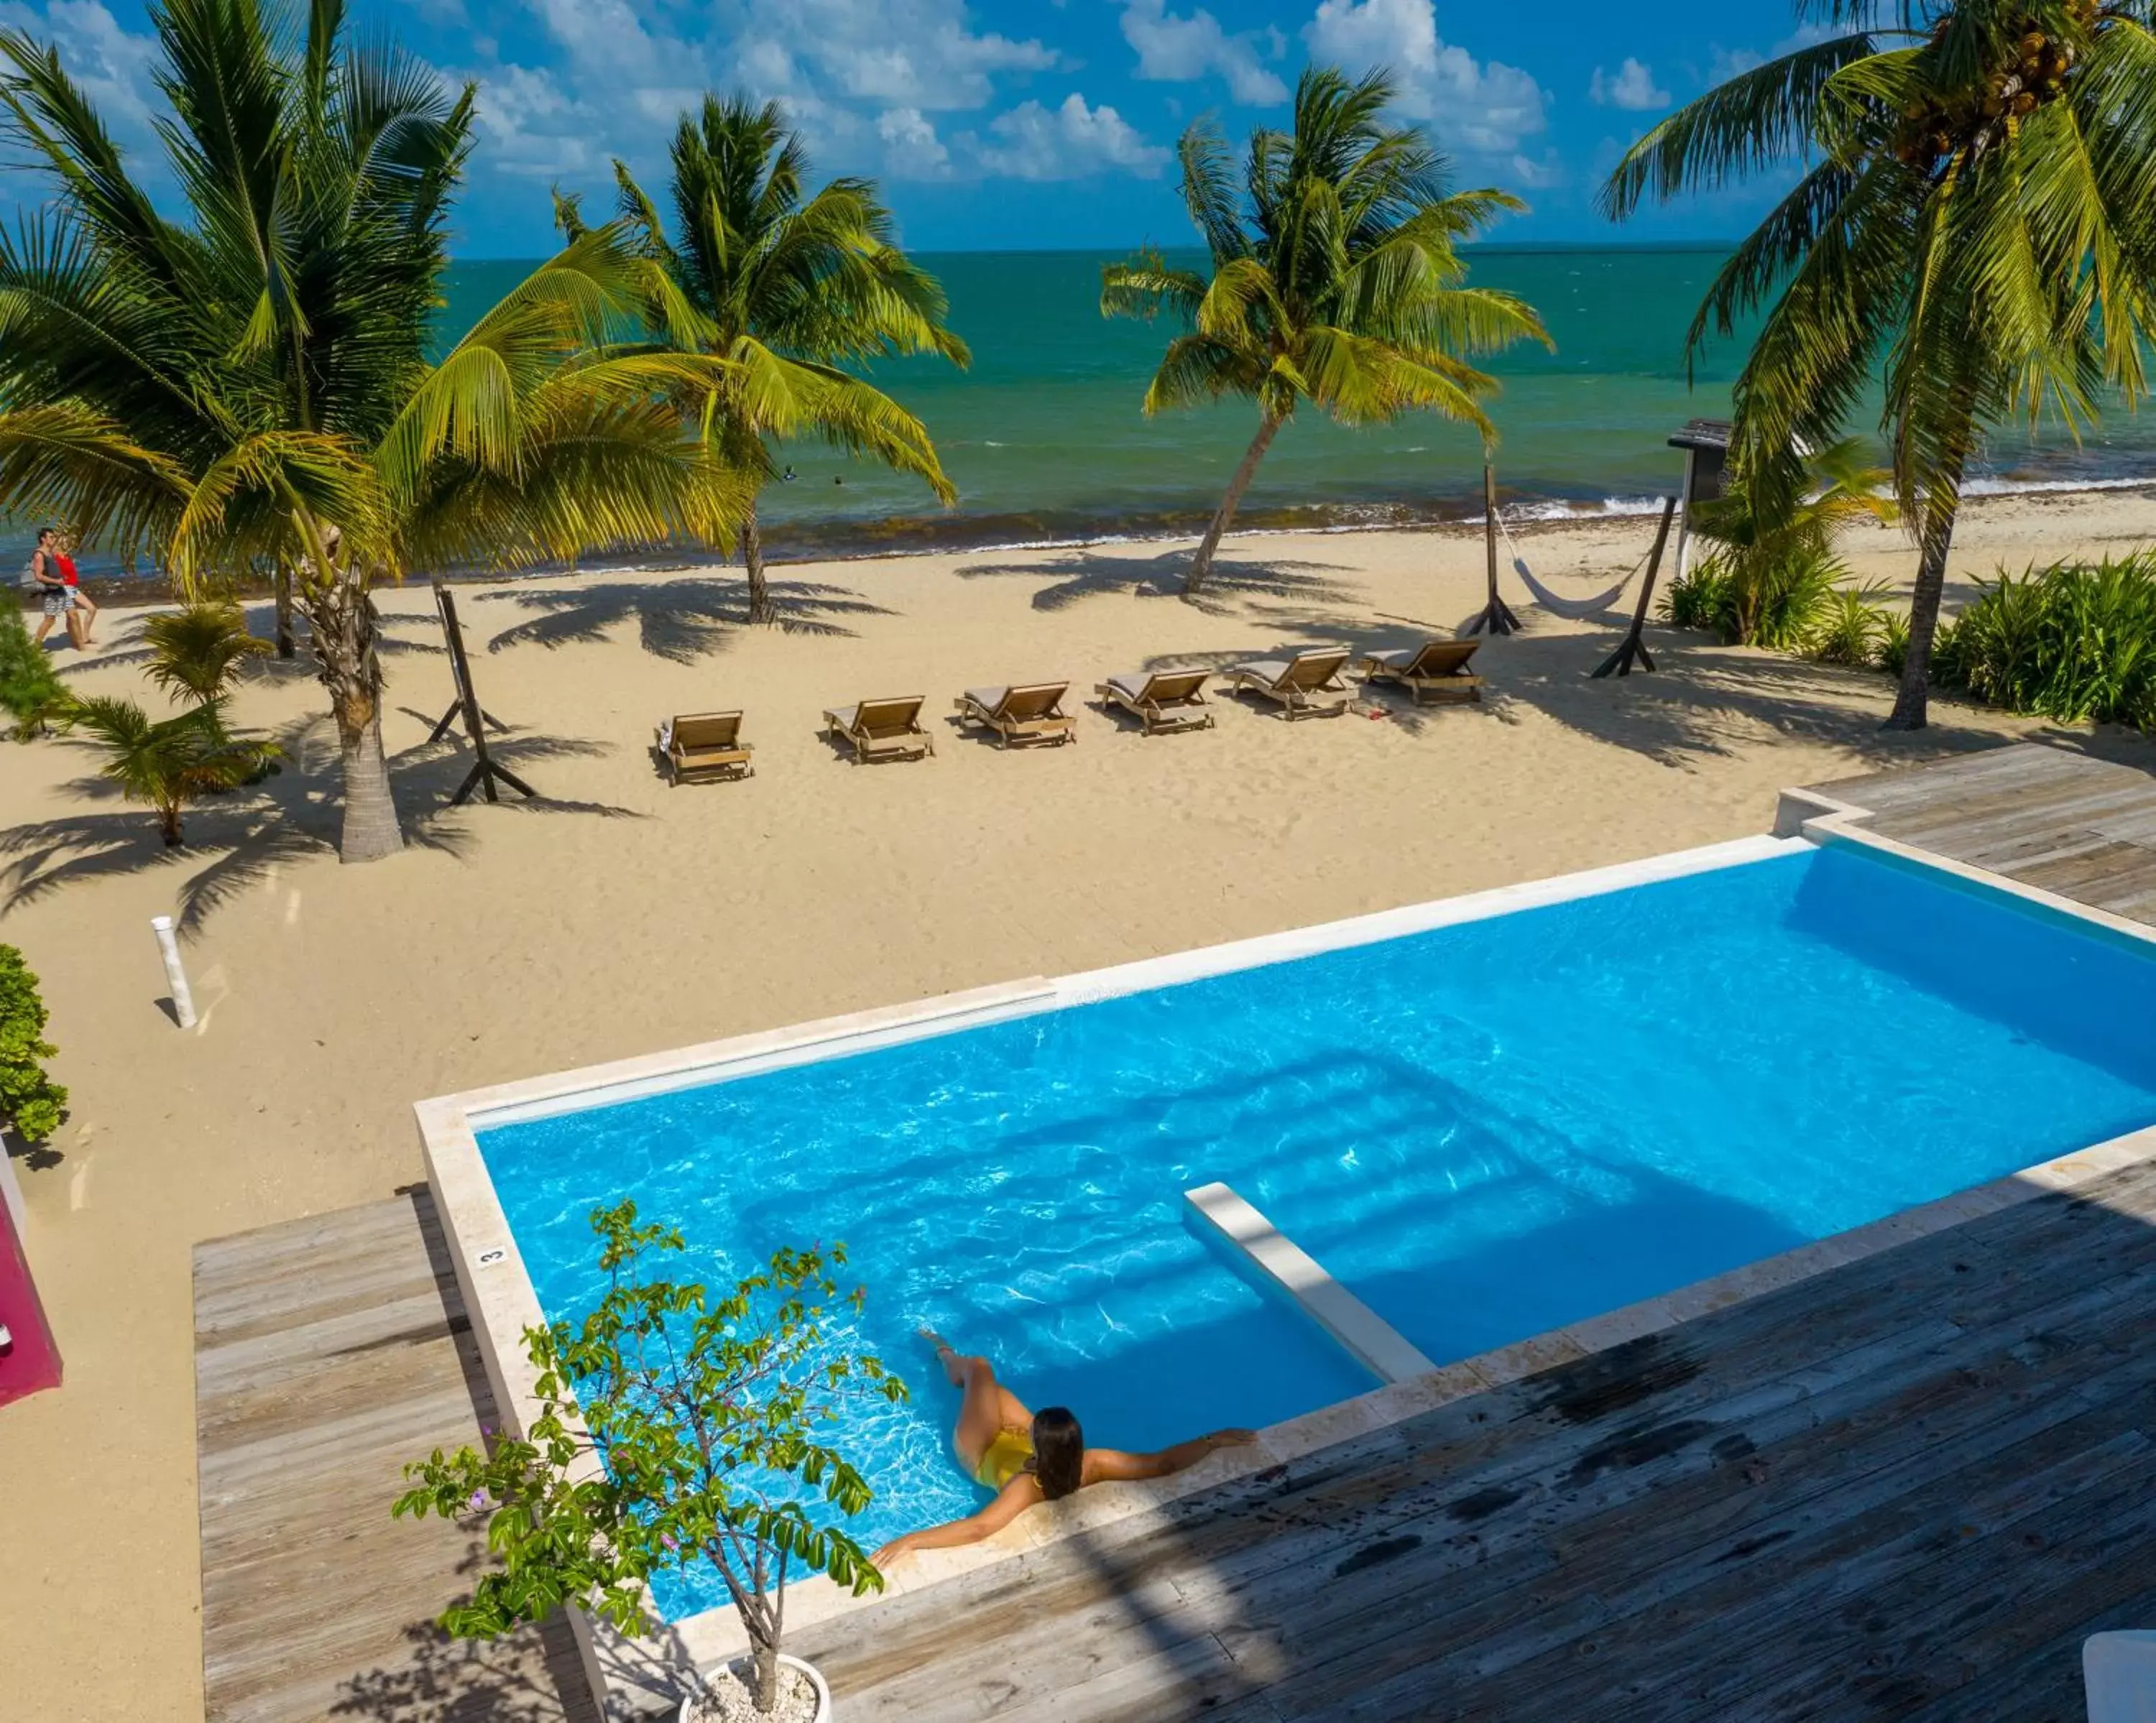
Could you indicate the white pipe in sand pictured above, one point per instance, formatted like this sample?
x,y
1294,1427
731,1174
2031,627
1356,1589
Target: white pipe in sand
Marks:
x,y
176,978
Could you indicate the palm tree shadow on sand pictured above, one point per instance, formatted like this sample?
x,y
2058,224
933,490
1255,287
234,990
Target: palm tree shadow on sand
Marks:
x,y
1233,588
678,620
1705,701
237,841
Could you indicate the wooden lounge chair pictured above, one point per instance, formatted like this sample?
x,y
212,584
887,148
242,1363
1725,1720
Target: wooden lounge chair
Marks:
x,y
882,729
1027,712
1161,699
705,745
1295,681
1435,670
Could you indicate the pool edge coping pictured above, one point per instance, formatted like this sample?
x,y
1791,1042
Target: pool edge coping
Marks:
x,y
634,1677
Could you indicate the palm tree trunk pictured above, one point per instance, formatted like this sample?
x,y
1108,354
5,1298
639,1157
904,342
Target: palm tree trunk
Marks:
x,y
342,620
759,589
1201,565
284,608
1912,700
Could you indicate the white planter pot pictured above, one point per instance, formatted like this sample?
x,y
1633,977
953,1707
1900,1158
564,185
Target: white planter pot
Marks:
x,y
816,1679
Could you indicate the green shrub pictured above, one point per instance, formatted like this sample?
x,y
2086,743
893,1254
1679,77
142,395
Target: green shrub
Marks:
x,y
2070,642
29,692
1698,598
1894,651
1850,625
1781,603
29,1100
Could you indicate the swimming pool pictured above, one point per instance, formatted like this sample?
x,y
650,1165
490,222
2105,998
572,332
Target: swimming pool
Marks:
x,y
1484,1130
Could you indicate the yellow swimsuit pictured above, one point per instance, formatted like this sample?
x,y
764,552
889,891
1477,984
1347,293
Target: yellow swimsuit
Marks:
x,y
1005,1458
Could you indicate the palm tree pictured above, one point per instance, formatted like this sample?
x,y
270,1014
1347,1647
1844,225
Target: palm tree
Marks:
x,y
196,651
249,387
1335,278
789,288
1976,219
168,763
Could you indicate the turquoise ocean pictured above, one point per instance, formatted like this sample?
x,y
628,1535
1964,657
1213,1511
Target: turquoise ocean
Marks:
x,y
1046,441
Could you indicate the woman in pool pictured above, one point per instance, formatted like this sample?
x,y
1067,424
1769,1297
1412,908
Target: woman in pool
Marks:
x,y
1028,1457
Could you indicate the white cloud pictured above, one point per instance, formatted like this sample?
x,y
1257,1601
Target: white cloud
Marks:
x,y
1069,142
911,149
1539,173
1482,109
1178,50
1726,63
916,54
110,64
1632,88
533,127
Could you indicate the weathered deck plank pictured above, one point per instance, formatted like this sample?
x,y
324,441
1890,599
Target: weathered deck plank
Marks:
x,y
329,1351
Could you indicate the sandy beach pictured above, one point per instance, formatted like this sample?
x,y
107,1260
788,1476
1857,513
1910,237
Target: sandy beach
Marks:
x,y
617,916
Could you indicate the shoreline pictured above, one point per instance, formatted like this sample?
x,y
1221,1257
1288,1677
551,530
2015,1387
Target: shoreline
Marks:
x,y
1524,516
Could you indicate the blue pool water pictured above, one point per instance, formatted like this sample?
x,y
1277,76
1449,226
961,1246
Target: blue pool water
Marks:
x,y
1485,1131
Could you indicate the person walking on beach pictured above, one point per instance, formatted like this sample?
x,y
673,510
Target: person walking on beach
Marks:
x,y
83,608
1028,1457
57,596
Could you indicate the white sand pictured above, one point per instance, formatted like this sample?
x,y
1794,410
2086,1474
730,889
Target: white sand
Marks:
x,y
621,916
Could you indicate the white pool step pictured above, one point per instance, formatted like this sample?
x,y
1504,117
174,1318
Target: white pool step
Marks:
x,y
1275,1258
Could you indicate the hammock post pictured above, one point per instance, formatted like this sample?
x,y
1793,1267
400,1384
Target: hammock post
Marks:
x,y
1497,615
1620,662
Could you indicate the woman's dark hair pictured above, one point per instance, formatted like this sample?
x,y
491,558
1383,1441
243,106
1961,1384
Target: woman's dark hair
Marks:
x,y
1058,1451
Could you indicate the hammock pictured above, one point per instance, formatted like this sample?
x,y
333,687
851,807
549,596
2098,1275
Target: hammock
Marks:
x,y
1571,609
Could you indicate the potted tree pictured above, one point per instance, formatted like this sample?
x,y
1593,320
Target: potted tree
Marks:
x,y
707,1412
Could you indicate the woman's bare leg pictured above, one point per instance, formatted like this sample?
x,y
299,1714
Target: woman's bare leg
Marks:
x,y
989,1407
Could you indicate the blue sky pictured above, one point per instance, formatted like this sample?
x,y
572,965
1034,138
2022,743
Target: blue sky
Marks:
x,y
1029,124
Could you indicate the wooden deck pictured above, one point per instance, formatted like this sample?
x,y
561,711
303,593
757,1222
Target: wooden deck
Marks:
x,y
1904,1489
329,1351
2081,826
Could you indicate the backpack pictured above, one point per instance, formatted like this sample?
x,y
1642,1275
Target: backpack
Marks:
x,y
27,579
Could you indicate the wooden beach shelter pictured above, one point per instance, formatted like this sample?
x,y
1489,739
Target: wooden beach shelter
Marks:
x,y
1705,445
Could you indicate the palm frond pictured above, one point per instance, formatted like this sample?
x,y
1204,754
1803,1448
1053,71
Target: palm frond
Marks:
x,y
1752,122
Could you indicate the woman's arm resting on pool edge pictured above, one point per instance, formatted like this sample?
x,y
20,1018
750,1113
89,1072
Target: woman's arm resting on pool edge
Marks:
x,y
1015,1498
1111,1465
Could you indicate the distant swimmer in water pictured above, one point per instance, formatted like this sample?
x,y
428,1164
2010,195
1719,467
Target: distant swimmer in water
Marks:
x,y
1028,1457
787,476
838,478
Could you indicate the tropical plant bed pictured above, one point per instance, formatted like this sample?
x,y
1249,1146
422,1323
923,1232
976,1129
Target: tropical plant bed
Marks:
x,y
726,1697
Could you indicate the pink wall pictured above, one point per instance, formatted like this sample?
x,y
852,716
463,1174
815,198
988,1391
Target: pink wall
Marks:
x,y
34,1361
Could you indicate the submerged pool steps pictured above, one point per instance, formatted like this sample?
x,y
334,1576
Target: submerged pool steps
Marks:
x,y
1275,1259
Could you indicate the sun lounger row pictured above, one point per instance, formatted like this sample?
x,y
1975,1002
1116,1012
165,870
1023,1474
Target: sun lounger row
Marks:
x,y
1304,685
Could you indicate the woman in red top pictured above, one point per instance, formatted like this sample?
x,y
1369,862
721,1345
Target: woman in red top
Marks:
x,y
63,565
